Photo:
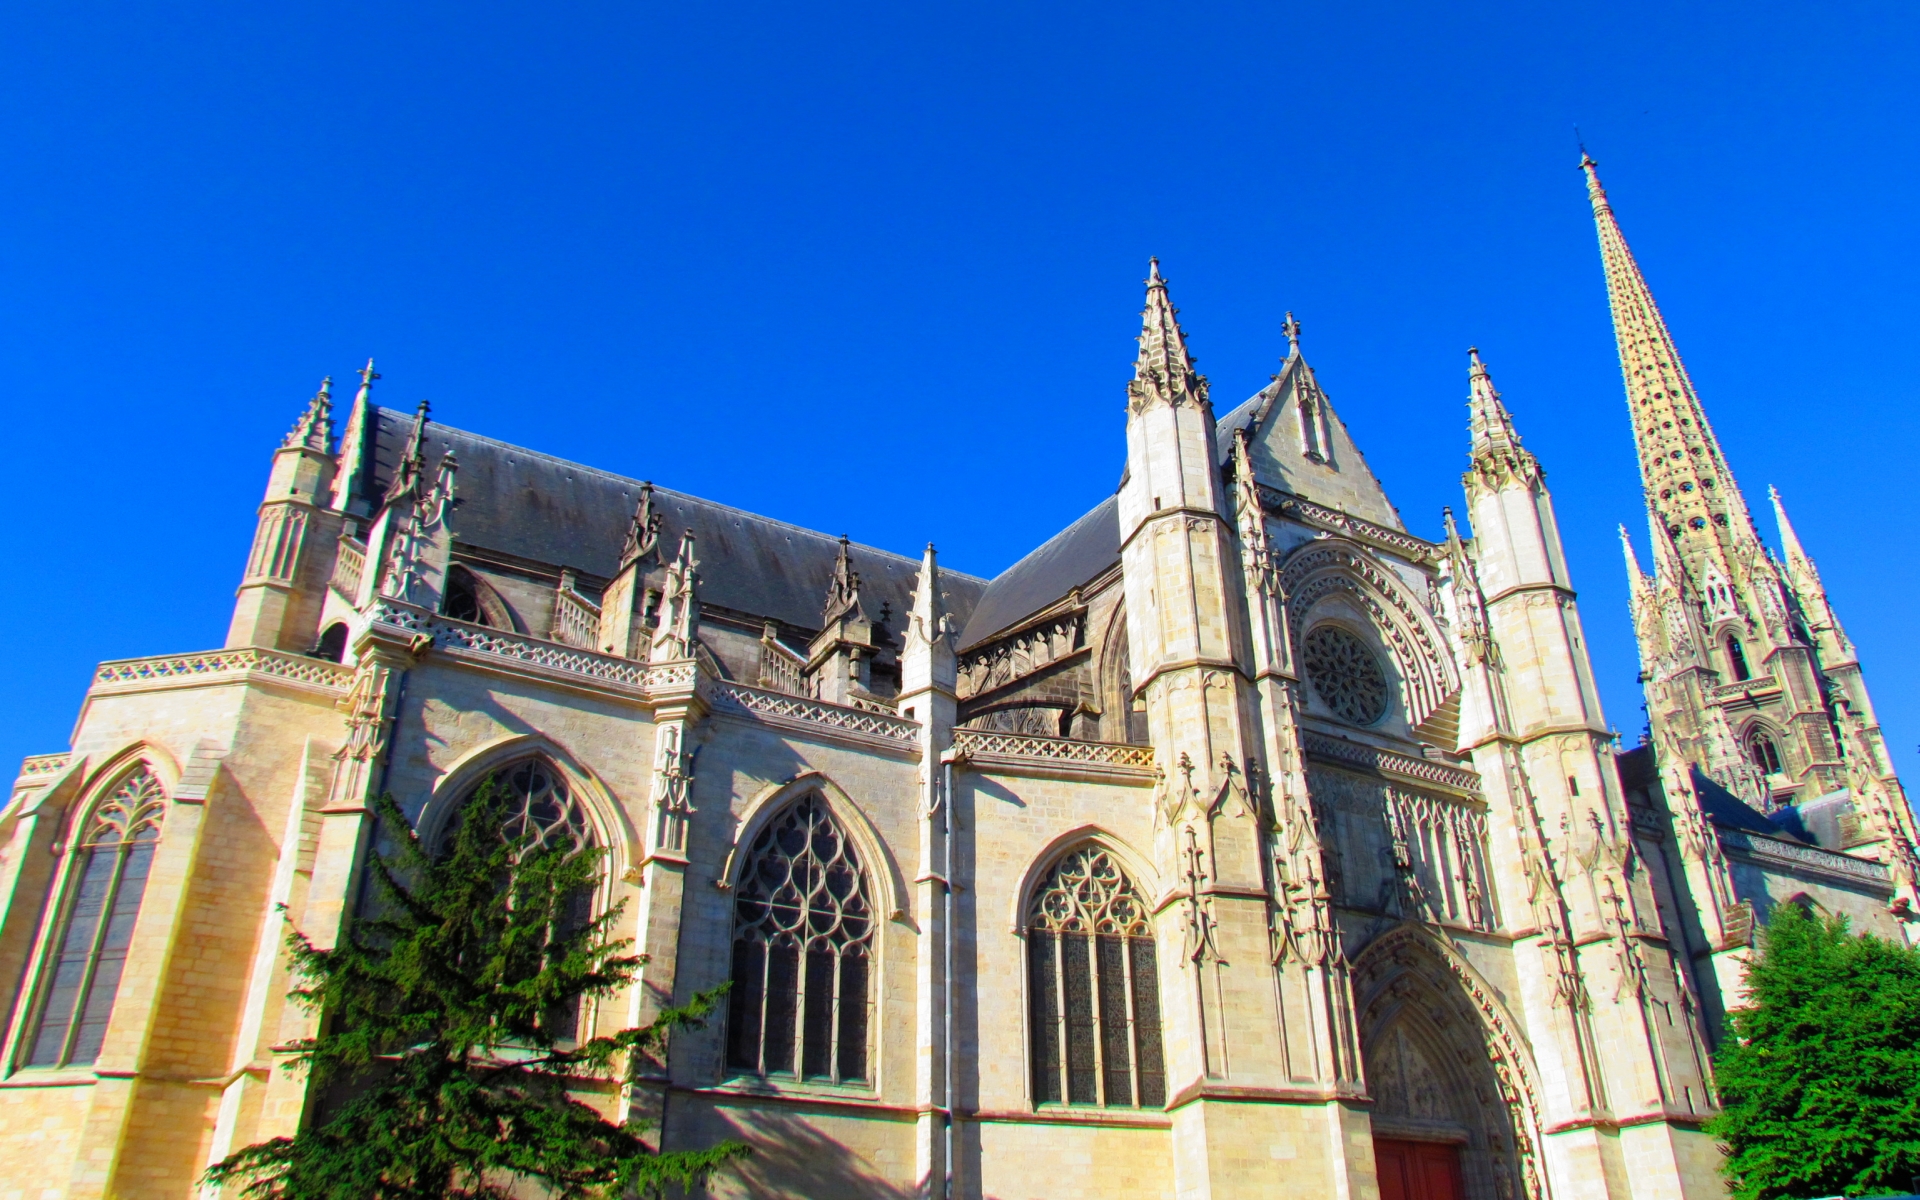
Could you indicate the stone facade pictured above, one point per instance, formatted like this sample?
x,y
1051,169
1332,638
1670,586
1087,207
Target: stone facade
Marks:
x,y
1228,844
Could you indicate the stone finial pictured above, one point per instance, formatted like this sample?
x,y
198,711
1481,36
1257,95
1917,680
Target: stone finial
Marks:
x,y
413,463
643,532
843,589
314,429
676,635
1291,328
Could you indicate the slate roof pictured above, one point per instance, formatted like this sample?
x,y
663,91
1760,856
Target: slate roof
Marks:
x,y
518,502
1067,560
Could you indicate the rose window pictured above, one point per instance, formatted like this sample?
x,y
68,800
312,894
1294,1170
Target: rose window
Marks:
x,y
1345,675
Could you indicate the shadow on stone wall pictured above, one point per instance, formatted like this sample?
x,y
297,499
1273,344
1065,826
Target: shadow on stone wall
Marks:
x,y
795,1160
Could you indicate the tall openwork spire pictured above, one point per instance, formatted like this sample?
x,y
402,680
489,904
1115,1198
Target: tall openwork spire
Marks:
x,y
1163,373
1691,494
1497,453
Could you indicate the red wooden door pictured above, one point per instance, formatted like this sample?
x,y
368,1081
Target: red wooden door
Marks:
x,y
1418,1170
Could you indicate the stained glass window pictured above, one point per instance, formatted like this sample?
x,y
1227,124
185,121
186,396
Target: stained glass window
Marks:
x,y
105,886
802,952
1093,988
1345,674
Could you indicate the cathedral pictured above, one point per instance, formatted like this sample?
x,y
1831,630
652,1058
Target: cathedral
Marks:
x,y
1235,842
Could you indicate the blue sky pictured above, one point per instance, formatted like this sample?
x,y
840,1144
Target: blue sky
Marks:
x,y
876,269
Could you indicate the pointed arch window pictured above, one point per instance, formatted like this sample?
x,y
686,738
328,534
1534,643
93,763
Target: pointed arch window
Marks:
x,y
802,952
1763,751
105,887
470,598
540,806
1737,659
1093,988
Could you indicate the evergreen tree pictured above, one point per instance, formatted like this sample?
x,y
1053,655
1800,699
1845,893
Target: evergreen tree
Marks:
x,y
1819,1076
444,1061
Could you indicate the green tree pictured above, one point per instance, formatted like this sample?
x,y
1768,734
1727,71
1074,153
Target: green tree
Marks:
x,y
1819,1076
442,1068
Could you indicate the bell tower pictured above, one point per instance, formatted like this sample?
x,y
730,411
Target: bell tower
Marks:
x,y
1748,676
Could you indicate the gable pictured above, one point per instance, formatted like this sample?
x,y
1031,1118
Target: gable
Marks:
x,y
1316,458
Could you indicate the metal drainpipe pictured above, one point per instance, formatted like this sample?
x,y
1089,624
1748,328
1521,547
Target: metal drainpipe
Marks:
x,y
946,832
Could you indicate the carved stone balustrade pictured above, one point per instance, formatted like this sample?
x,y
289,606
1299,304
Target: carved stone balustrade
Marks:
x,y
1029,754
349,563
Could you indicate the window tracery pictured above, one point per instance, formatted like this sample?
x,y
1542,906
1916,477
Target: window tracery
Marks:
x,y
1763,752
802,952
1093,988
541,812
1345,674
107,884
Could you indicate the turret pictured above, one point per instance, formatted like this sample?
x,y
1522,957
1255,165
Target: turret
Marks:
x,y
278,603
840,657
1183,589
1545,757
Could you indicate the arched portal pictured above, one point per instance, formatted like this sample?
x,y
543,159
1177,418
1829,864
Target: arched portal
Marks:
x,y
1452,1095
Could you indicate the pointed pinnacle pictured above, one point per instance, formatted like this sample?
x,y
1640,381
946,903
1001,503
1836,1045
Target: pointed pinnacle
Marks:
x,y
1789,538
1595,192
314,429
1292,329
1491,425
367,374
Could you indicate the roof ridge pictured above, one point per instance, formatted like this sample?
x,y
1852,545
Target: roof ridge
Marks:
x,y
658,490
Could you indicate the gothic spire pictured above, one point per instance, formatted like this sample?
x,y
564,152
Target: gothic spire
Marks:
x,y
1803,580
1163,373
1497,453
675,636
1789,540
1691,492
843,589
314,429
356,460
413,463
1638,586
643,534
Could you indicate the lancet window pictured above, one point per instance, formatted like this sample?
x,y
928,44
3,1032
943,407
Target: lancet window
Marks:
x,y
470,598
542,809
1093,988
803,933
1763,751
105,886
1737,659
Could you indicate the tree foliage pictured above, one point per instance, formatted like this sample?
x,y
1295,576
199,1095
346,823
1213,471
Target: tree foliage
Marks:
x,y
438,1069
1819,1077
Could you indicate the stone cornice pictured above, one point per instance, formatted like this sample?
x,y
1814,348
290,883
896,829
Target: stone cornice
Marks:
x,y
1343,753
1320,516
240,664
1765,851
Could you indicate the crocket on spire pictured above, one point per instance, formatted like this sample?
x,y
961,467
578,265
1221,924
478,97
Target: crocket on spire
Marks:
x,y
1163,373
1497,453
314,429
